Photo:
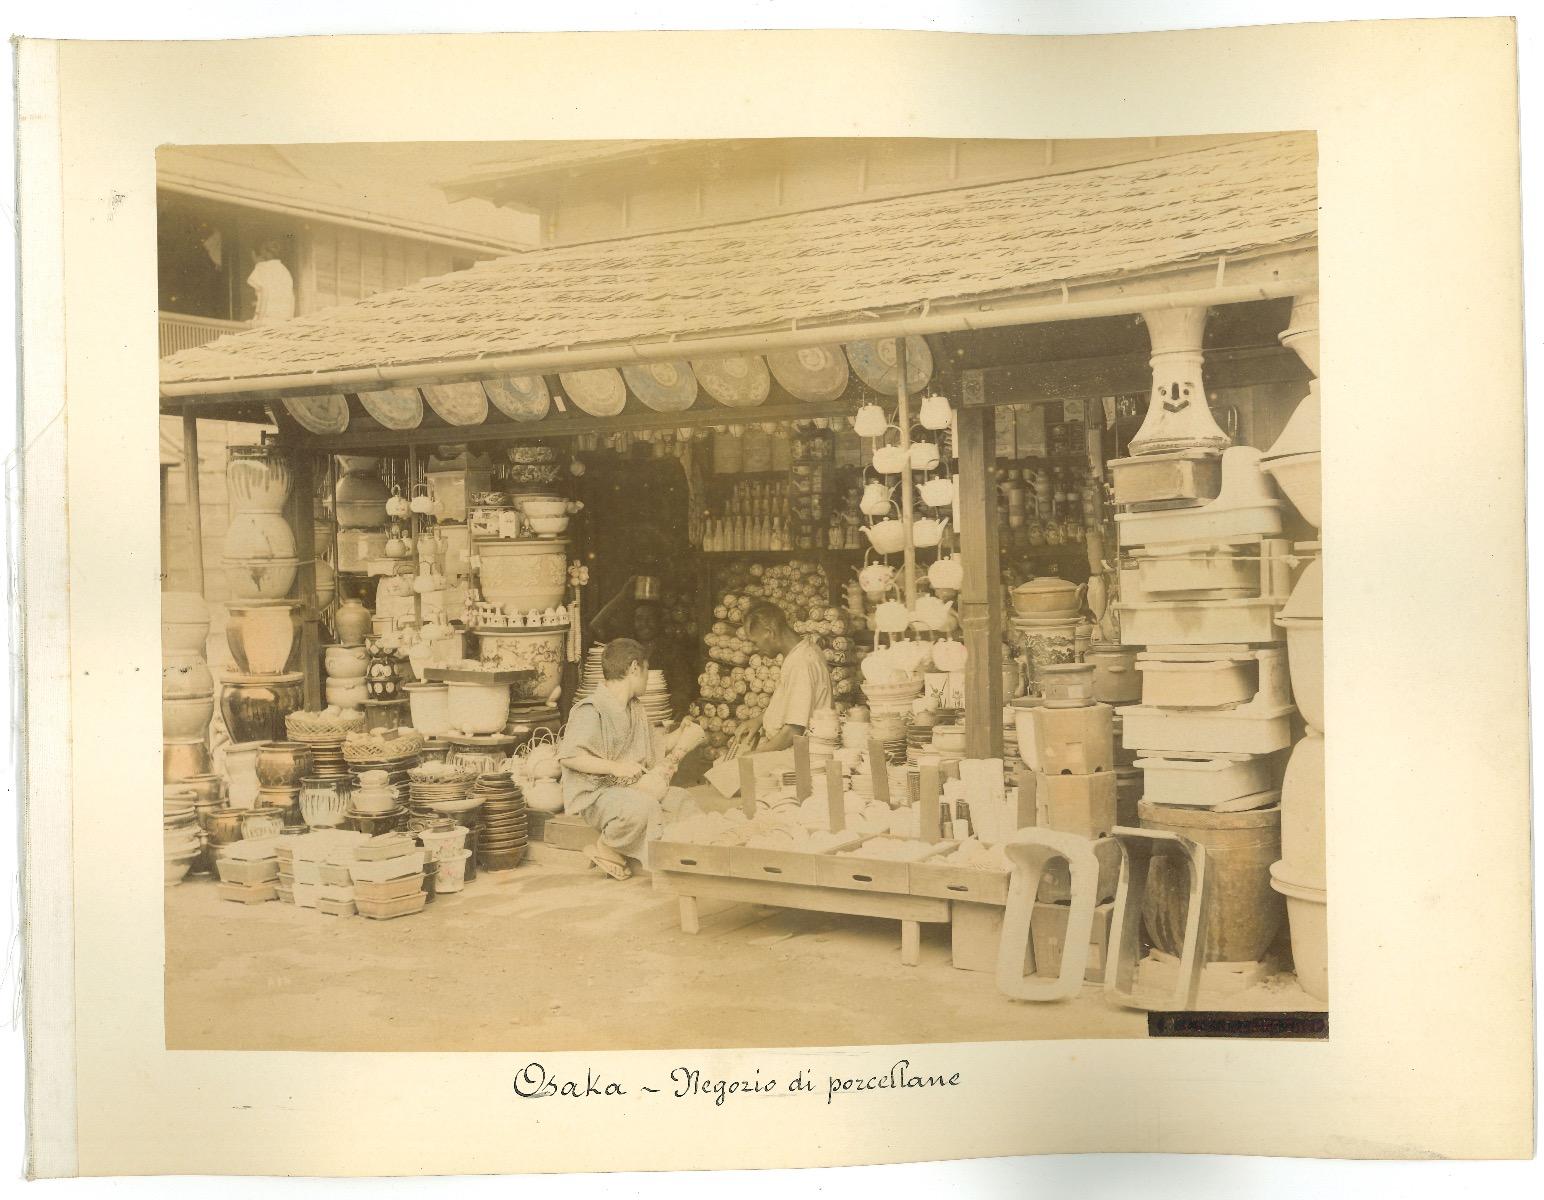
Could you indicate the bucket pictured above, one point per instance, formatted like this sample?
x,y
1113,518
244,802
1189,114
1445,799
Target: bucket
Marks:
x,y
443,844
1307,920
452,873
1246,913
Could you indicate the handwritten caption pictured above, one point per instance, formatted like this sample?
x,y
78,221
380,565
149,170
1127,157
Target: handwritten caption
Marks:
x,y
535,1082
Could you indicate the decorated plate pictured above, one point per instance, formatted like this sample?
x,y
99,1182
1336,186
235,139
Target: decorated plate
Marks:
x,y
736,380
663,386
395,408
811,373
874,363
520,397
325,415
599,392
458,403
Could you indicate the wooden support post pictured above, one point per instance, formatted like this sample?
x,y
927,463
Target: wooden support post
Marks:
x,y
836,805
748,785
301,509
879,771
911,943
981,592
414,528
903,419
801,768
1028,814
191,499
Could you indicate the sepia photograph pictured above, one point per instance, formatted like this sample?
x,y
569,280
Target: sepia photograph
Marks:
x,y
630,595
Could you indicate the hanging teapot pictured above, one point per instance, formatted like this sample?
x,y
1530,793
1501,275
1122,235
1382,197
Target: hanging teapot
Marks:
x,y
870,421
888,536
889,460
924,456
929,531
949,655
935,412
946,574
937,493
892,617
875,579
397,506
421,503
395,546
876,500
934,614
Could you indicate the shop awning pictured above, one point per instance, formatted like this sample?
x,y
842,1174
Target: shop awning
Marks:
x,y
853,267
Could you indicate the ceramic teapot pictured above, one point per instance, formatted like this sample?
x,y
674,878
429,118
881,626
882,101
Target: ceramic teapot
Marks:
x,y
397,505
889,460
946,574
870,422
911,655
935,412
888,536
937,493
927,532
924,456
876,500
949,655
933,613
422,502
875,579
892,617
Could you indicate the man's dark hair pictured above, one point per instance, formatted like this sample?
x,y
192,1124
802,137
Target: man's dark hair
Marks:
x,y
766,615
619,656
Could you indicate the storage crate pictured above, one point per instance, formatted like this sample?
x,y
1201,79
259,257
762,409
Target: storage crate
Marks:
x,y
689,857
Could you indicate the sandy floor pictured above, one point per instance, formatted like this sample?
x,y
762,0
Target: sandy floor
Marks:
x,y
551,956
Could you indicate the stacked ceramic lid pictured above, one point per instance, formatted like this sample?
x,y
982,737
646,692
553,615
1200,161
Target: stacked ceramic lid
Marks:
x,y
502,841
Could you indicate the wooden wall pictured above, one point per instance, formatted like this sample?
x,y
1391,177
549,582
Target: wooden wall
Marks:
x,y
341,265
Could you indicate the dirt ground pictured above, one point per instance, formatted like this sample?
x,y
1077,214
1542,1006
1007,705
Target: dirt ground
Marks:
x,y
552,956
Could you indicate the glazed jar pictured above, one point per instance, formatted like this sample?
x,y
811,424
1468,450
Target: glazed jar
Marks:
x,y
323,802
346,693
259,535
186,717
257,478
184,674
283,764
254,706
346,662
260,578
264,638
359,500
352,623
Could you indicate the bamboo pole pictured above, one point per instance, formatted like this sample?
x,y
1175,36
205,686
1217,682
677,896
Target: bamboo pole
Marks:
x,y
903,419
192,500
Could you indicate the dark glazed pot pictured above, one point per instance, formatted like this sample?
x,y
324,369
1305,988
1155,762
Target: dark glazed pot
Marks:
x,y
283,764
254,706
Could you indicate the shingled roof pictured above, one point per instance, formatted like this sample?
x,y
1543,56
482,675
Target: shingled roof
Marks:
x,y
838,263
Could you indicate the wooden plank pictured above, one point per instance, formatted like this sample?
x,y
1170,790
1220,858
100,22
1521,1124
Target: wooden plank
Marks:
x,y
981,615
879,771
748,785
801,768
809,897
930,788
836,806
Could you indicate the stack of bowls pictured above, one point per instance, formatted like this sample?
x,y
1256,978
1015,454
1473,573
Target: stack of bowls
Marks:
x,y
502,836
183,840
187,687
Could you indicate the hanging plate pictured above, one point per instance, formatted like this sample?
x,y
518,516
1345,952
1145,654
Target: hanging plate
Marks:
x,y
520,397
326,415
813,373
736,380
874,363
395,408
599,392
458,403
663,386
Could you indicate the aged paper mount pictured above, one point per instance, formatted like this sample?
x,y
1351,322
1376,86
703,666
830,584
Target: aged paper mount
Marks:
x,y
1418,182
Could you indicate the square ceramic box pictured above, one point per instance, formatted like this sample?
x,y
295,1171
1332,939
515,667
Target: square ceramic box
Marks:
x,y
1180,475
1189,680
1202,780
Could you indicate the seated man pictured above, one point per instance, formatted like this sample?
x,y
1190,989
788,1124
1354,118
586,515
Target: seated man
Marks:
x,y
608,745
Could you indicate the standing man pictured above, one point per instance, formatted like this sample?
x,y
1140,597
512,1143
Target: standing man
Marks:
x,y
274,285
607,746
803,683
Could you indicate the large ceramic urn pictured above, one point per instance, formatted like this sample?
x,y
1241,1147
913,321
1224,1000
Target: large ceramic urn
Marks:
x,y
522,575
257,478
359,500
1178,417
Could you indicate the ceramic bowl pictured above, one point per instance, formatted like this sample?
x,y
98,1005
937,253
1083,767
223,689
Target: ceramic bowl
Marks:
x,y
544,508
548,526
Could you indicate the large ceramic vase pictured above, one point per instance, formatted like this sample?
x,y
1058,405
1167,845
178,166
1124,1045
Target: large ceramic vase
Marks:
x,y
264,639
536,650
1178,417
352,622
257,479
359,499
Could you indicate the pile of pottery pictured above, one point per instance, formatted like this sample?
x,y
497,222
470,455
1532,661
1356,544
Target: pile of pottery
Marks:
x,y
323,734
345,666
825,733
359,504
263,630
1045,625
501,838
376,803
393,751
436,789
187,687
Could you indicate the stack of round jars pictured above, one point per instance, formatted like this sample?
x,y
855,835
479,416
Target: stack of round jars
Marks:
x,y
263,631
187,688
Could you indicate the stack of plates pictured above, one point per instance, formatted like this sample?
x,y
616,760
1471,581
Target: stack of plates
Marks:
x,y
821,749
326,755
656,699
590,675
441,798
502,841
